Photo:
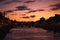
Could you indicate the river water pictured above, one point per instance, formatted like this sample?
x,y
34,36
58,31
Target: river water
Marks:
x,y
31,34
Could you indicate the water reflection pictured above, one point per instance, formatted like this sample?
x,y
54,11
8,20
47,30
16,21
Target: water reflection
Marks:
x,y
29,34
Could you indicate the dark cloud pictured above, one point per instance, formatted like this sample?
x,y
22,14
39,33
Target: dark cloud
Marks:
x,y
16,1
29,1
2,0
6,12
32,11
9,11
55,6
12,1
32,16
8,2
22,8
36,10
25,17
23,14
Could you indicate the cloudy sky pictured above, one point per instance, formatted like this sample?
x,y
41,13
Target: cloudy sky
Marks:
x,y
29,10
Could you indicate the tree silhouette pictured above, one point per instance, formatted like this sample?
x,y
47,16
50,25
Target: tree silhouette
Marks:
x,y
53,23
1,16
54,19
6,26
42,20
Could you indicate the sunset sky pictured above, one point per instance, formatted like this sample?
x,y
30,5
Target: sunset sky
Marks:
x,y
29,10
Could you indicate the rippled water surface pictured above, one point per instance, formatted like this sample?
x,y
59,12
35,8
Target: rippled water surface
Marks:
x,y
30,34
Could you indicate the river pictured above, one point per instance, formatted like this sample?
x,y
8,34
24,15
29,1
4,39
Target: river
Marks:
x,y
30,34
